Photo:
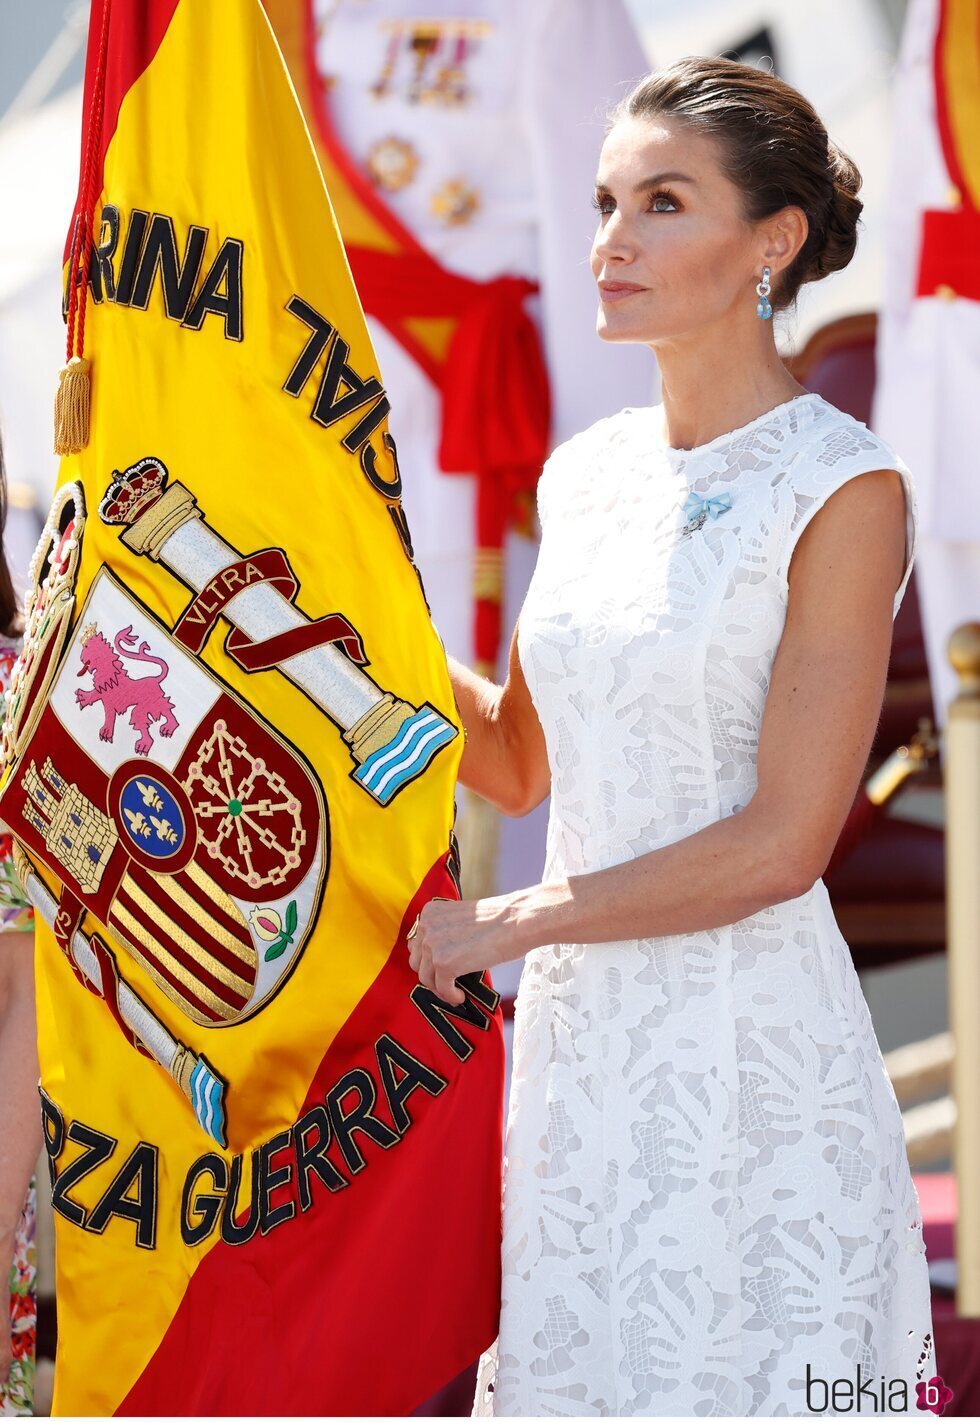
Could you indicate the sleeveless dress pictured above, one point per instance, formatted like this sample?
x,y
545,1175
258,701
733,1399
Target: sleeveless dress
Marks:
x,y
17,915
706,1184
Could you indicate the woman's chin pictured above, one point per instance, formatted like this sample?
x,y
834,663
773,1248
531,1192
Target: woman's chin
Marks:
x,y
616,331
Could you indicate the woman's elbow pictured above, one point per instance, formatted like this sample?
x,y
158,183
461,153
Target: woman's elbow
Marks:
x,y
531,795
805,864
790,862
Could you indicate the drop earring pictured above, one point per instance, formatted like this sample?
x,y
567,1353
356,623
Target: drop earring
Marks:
x,y
763,288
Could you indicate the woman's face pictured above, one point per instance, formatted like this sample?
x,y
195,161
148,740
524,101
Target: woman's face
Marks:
x,y
670,224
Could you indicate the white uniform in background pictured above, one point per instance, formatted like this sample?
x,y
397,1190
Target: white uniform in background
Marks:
x,y
500,183
926,399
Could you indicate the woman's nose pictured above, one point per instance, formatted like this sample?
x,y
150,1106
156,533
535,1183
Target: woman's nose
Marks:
x,y
613,241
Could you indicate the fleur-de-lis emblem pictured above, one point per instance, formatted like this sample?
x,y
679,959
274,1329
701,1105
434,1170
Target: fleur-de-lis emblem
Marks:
x,y
164,829
138,823
698,510
150,795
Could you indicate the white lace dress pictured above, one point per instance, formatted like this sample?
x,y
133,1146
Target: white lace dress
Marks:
x,y
706,1184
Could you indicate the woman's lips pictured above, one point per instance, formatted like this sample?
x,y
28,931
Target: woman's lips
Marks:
x,y
618,293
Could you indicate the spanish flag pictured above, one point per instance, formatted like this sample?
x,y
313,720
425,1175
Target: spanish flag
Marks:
x,y
229,763
949,255
468,336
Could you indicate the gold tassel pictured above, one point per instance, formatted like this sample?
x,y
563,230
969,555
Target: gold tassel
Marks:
x,y
478,836
479,829
72,405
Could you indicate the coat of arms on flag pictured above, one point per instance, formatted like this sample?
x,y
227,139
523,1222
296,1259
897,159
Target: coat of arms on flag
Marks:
x,y
229,758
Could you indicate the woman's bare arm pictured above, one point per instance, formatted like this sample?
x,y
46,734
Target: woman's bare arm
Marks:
x,y
20,1113
505,758
820,717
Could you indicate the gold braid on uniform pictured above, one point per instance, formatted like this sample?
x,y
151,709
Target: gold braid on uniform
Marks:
x,y
488,574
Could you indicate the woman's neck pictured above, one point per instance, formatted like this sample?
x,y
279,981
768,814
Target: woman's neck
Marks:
x,y
711,387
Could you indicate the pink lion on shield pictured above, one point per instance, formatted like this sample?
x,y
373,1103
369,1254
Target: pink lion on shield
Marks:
x,y
116,691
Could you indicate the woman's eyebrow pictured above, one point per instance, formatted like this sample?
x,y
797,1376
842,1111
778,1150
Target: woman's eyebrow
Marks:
x,y
653,182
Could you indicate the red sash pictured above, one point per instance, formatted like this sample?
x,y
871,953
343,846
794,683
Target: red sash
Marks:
x,y
949,257
473,339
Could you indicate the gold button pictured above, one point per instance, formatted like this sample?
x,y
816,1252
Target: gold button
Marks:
x,y
455,202
392,163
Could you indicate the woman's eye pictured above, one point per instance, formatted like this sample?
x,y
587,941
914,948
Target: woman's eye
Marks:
x,y
604,204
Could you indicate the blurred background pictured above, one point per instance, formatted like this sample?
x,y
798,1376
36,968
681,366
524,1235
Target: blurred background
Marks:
x,y
865,65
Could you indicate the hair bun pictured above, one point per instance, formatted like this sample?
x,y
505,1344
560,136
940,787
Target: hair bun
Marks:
x,y
843,211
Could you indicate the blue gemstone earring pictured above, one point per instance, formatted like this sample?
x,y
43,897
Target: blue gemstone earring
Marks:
x,y
763,288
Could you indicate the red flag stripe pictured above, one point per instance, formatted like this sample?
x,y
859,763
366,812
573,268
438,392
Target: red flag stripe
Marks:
x,y
159,939
165,973
374,1237
199,928
135,34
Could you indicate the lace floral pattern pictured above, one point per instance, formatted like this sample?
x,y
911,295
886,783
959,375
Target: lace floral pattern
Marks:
x,y
706,1184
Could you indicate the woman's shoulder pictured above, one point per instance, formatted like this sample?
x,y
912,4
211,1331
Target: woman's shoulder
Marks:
x,y
835,447
830,447
833,450
833,440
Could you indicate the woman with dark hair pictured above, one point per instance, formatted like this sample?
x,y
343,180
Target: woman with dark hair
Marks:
x,y
20,1130
708,1205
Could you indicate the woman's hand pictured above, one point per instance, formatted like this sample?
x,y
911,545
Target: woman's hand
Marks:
x,y
452,937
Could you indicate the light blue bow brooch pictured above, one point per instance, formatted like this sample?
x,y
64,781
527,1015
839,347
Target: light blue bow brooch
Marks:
x,y
698,510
